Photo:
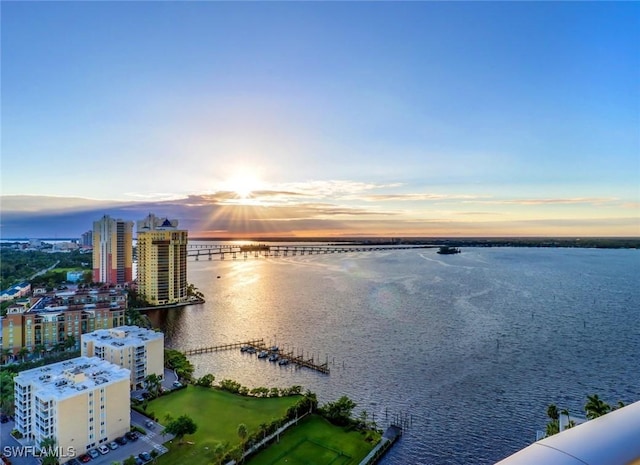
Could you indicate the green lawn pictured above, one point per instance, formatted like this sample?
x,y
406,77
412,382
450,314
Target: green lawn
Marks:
x,y
217,414
315,441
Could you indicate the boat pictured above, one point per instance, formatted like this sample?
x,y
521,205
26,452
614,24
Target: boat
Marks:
x,y
274,348
283,361
273,357
446,250
263,354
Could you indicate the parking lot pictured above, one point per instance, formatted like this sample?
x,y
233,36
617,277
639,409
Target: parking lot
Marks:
x,y
152,440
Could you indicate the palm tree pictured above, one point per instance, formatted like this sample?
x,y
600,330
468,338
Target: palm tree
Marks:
x,y
47,447
23,352
552,412
6,354
39,349
242,433
153,382
565,411
596,407
263,429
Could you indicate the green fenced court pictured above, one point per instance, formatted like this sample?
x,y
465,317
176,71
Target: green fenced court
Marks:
x,y
309,452
315,441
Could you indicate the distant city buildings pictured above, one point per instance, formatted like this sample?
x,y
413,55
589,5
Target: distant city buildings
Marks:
x,y
139,350
82,403
112,251
42,322
162,260
86,240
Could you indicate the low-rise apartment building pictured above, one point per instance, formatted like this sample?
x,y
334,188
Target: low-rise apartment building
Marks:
x,y
138,349
82,403
52,318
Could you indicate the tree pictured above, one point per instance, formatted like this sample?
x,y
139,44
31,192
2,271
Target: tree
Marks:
x,y
48,450
7,403
339,412
552,412
219,451
69,342
596,407
180,427
129,461
154,455
6,355
39,349
153,383
242,434
206,381
23,352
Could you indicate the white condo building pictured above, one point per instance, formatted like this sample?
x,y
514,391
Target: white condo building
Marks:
x,y
140,350
82,403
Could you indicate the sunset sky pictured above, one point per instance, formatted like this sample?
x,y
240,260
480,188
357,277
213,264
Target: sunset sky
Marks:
x,y
322,118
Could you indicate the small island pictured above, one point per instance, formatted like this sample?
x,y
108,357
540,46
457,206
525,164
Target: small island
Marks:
x,y
446,250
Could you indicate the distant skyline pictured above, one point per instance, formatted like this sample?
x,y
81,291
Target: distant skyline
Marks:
x,y
322,118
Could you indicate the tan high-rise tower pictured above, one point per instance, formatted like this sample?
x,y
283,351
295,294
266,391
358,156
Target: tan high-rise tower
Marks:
x,y
162,260
112,251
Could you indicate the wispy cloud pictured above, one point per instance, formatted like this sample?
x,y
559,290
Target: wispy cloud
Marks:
x,y
549,201
418,197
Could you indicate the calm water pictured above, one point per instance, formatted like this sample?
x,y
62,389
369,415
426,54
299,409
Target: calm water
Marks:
x,y
471,347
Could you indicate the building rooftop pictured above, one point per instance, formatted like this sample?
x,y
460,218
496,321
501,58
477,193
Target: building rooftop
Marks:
x,y
66,379
122,336
611,439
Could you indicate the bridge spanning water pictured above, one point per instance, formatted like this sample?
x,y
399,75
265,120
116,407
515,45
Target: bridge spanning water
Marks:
x,y
263,250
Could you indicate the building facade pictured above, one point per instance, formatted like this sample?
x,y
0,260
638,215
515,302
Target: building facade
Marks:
x,y
112,251
139,350
51,319
162,260
82,403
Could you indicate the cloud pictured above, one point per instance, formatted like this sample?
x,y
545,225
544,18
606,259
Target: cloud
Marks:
x,y
417,197
558,201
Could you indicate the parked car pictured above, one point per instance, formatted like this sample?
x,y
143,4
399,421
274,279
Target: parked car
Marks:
x,y
145,456
113,445
177,384
121,441
84,458
103,449
149,424
132,436
94,454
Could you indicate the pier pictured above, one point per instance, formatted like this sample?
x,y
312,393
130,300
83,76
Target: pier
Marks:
x,y
197,251
259,345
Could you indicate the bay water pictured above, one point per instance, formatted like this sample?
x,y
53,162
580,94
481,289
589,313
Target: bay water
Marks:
x,y
468,350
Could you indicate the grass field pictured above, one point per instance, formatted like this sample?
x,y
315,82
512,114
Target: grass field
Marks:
x,y
315,441
217,414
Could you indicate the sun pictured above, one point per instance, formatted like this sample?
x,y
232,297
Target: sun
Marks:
x,y
243,185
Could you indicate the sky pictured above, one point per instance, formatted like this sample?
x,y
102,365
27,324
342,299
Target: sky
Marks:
x,y
422,119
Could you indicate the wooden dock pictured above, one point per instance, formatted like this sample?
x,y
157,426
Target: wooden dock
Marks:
x,y
259,345
234,345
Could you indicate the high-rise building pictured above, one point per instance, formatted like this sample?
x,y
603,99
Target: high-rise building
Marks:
x,y
112,251
162,260
139,350
82,403
87,239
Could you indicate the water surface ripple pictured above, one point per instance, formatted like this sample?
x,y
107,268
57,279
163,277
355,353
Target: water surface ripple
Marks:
x,y
470,347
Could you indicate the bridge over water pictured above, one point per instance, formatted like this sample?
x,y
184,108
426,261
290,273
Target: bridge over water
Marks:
x,y
198,251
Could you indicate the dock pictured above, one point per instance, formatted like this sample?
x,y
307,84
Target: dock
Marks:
x,y
259,345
